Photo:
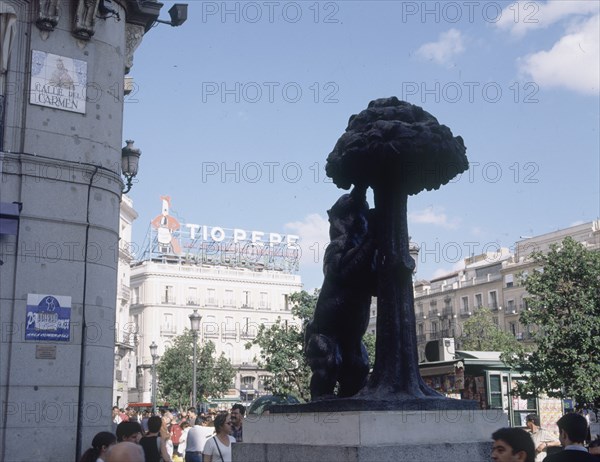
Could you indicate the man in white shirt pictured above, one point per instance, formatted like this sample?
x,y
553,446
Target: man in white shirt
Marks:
x,y
542,439
196,438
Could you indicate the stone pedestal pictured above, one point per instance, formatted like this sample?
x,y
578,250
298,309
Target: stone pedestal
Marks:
x,y
369,436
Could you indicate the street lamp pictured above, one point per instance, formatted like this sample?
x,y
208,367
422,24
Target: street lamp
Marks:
x,y
413,251
130,159
153,349
195,319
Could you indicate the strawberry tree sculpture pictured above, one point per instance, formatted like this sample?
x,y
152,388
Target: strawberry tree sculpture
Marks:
x,y
397,149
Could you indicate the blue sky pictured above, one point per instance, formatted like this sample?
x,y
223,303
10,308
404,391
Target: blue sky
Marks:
x,y
236,111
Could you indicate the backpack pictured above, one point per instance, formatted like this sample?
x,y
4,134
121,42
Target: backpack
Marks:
x,y
151,447
176,433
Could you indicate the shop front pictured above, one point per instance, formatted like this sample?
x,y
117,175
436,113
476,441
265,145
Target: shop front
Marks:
x,y
481,376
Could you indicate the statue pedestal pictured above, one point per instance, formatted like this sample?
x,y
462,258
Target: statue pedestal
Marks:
x,y
369,436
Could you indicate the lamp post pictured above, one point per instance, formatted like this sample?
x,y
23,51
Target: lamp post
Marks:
x,y
153,349
195,319
130,158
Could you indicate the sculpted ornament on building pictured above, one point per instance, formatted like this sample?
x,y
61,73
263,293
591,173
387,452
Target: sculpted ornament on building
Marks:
x,y
83,27
48,15
133,37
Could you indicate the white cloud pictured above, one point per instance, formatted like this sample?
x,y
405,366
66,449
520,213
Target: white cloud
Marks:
x,y
314,237
522,17
449,45
430,216
573,62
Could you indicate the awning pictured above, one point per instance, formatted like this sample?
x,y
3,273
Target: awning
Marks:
x,y
139,405
9,217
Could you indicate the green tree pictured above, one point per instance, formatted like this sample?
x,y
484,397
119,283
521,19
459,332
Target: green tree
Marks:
x,y
282,349
564,303
481,333
214,375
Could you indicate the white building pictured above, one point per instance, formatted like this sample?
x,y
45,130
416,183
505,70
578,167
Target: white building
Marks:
x,y
125,330
236,279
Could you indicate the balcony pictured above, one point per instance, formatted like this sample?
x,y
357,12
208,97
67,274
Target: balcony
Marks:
x,y
168,329
230,334
192,302
168,300
448,312
124,292
421,338
494,306
211,333
433,313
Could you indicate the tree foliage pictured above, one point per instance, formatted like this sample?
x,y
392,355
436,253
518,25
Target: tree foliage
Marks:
x,y
214,375
564,304
481,333
282,349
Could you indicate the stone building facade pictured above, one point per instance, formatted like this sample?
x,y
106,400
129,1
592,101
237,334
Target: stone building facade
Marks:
x,y
61,94
492,280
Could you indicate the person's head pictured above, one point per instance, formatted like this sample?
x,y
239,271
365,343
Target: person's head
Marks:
x,y
237,414
125,452
154,424
223,423
533,422
572,429
129,431
167,418
192,414
115,410
512,445
100,444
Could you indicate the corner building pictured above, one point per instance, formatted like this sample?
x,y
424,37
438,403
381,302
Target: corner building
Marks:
x,y
62,68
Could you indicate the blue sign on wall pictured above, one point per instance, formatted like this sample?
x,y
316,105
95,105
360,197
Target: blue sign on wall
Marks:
x,y
48,318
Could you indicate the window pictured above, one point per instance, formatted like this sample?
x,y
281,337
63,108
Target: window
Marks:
x,y
495,392
168,295
246,299
192,297
211,328
136,295
493,298
478,300
167,326
465,304
228,301
508,280
513,328
434,328
229,330
510,306
421,328
247,382
211,298
262,302
286,302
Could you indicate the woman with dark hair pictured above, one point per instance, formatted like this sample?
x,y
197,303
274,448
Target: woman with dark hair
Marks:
x,y
100,444
218,448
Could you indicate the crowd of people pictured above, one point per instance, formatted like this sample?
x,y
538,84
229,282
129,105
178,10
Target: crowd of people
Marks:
x,y
168,437
208,437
